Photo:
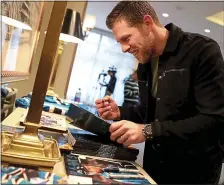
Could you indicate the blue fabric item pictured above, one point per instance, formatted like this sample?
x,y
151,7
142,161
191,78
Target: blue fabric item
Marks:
x,y
50,103
50,99
46,108
59,106
23,102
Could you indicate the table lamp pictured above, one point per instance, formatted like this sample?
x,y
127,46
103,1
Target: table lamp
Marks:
x,y
71,32
27,148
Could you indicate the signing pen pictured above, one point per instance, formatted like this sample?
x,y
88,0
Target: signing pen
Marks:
x,y
115,169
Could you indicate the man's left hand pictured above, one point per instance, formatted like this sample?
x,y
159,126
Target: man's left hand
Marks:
x,y
126,132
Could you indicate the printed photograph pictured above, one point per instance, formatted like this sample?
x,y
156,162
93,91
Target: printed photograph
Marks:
x,y
86,167
15,175
49,120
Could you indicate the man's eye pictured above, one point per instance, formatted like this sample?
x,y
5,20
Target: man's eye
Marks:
x,y
126,39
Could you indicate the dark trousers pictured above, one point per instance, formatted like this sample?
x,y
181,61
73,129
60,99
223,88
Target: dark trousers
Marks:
x,y
186,170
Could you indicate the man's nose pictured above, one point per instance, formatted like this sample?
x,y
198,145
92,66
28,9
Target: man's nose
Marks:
x,y
125,47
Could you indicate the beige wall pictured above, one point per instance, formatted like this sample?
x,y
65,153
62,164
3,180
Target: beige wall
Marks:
x,y
67,57
26,86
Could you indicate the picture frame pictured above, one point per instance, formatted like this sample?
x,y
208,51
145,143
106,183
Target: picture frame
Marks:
x,y
19,38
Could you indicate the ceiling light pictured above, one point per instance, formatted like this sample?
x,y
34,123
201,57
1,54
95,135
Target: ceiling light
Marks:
x,y
217,18
207,31
165,15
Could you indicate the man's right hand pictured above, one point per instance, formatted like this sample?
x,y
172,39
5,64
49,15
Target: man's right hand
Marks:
x,y
107,108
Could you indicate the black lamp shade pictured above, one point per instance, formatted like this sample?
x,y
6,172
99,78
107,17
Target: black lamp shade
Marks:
x,y
72,24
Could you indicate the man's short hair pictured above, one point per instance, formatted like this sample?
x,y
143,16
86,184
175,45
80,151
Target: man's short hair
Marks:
x,y
131,11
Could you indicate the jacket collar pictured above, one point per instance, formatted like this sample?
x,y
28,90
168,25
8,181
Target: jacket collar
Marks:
x,y
173,38
175,34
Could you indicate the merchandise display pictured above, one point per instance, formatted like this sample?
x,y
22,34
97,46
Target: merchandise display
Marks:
x,y
76,142
92,171
80,170
90,144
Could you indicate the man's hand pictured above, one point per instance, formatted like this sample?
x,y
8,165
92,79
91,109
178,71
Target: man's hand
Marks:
x,y
126,132
107,108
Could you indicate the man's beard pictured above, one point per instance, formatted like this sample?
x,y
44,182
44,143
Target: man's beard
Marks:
x,y
146,51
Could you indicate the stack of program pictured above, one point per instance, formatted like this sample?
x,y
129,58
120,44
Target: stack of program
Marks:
x,y
87,143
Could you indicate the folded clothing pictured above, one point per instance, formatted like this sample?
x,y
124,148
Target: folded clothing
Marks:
x,y
23,102
51,104
93,145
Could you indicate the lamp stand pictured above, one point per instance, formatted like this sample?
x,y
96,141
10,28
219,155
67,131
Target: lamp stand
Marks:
x,y
50,91
27,148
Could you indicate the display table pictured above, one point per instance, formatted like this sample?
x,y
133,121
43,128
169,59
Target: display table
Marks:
x,y
13,120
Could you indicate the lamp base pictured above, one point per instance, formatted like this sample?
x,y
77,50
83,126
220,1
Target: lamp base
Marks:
x,y
28,150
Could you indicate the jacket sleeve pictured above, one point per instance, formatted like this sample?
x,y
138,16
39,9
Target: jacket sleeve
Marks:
x,y
209,95
135,114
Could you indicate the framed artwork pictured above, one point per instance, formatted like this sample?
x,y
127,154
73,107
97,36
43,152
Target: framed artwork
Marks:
x,y
20,26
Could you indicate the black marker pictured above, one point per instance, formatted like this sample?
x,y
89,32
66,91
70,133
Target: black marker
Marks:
x,y
115,169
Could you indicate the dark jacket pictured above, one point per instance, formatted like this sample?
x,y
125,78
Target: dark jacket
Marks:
x,y
187,115
111,84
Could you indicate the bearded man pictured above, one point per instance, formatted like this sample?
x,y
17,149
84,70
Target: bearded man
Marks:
x,y
181,84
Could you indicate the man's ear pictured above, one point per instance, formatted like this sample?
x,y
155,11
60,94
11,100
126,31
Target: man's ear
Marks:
x,y
147,20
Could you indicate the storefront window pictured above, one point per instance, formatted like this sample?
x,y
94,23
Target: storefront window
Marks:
x,y
99,52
